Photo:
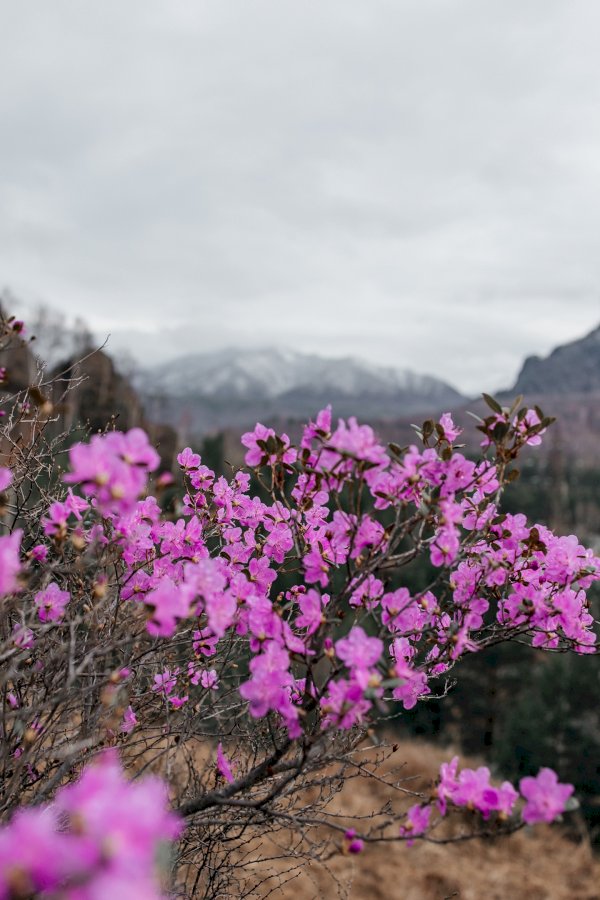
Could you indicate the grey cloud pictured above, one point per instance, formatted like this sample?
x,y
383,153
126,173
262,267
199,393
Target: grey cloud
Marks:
x,y
400,180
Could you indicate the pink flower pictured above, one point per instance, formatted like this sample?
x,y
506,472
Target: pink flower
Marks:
x,y
353,844
113,468
447,783
223,765
23,637
128,818
417,822
129,721
344,704
269,687
178,702
472,785
51,603
311,614
451,431
546,797
531,420
445,547
414,684
321,427
10,563
39,553
264,446
207,579
205,643
5,478
316,567
187,459
209,679
358,441
55,523
279,542
169,602
359,651
166,682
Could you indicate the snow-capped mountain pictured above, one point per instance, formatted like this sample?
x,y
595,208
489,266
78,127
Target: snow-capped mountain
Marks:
x,y
271,373
231,387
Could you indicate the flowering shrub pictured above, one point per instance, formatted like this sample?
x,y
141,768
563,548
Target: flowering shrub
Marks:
x,y
245,647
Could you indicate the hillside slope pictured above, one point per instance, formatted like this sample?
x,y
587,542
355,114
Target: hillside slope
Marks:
x,y
570,368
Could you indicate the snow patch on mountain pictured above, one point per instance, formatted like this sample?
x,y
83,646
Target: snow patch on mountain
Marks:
x,y
272,373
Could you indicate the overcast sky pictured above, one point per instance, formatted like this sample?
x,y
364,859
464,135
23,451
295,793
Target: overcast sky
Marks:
x,y
414,182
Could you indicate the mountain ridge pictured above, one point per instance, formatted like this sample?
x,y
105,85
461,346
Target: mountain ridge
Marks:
x,y
275,372
569,368
235,387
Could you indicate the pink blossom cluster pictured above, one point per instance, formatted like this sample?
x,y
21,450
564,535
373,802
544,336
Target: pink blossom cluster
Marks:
x,y
113,468
97,839
545,798
216,566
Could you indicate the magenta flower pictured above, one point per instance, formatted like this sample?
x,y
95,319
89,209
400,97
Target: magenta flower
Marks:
x,y
472,785
205,643
311,614
113,468
316,567
358,441
279,542
353,844
270,686
223,765
320,427
414,684
165,682
187,459
10,563
51,603
209,679
417,822
358,650
451,431
55,523
5,478
250,439
23,637
178,702
447,783
546,797
39,553
129,721
344,704
170,603
257,442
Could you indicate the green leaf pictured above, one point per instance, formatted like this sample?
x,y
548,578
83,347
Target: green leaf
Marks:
x,y
492,403
428,427
500,430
